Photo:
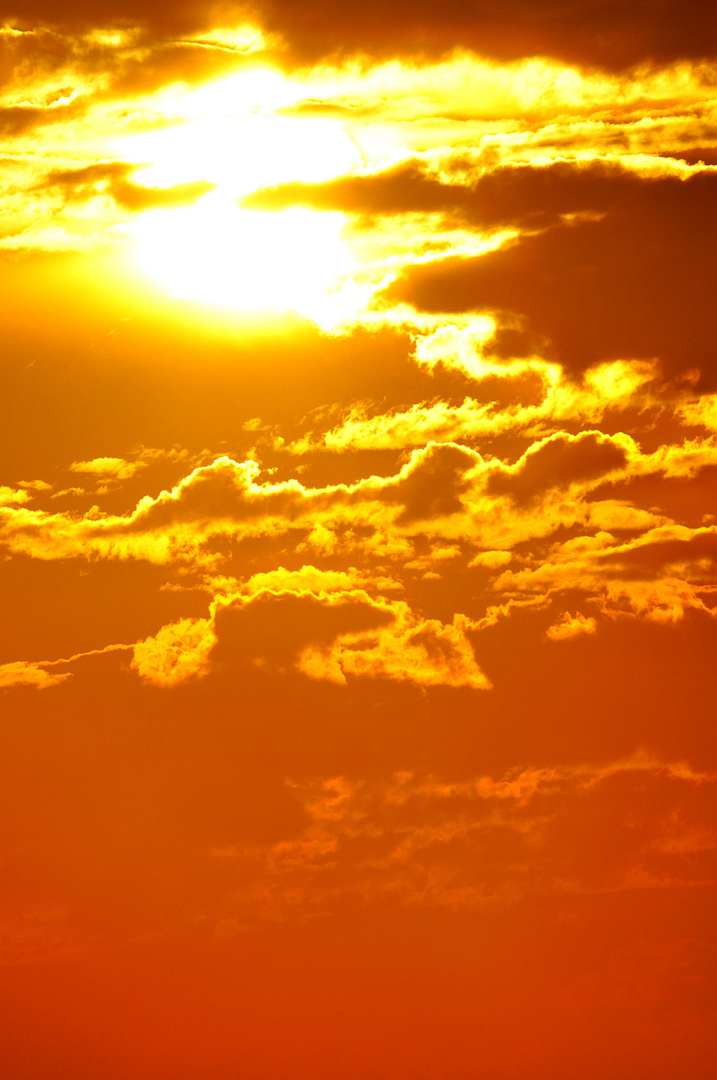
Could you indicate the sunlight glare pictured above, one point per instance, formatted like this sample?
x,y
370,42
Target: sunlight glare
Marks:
x,y
240,154
219,254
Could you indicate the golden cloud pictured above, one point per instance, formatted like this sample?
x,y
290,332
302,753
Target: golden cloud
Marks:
x,y
25,673
570,626
414,649
175,653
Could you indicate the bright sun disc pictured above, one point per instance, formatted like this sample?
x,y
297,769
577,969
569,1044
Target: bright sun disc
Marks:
x,y
250,260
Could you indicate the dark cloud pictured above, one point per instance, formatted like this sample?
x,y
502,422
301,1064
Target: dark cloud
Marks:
x,y
683,498
18,119
638,283
90,14
644,559
433,486
111,178
558,462
167,61
141,58
615,34
510,194
429,486
273,628
697,155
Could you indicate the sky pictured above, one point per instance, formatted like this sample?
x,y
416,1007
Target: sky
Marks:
x,y
358,540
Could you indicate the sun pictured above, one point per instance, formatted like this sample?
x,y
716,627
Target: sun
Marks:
x,y
217,253
236,135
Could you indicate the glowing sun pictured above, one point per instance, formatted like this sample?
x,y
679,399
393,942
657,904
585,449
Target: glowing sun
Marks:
x,y
215,252
219,254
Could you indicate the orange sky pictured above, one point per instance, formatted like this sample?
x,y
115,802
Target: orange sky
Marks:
x,y
358,540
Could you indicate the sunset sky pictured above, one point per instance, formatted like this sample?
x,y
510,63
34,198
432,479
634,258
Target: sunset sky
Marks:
x,y
358,540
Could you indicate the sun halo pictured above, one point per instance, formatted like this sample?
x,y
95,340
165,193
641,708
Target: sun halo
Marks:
x,y
254,261
216,252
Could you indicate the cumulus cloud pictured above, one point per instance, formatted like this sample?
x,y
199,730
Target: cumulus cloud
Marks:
x,y
556,401
660,574
315,580
12,497
329,625
559,461
446,496
34,485
175,653
225,499
640,281
424,651
570,626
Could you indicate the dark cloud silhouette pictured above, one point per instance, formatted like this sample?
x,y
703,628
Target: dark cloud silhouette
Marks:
x,y
507,195
275,627
643,560
19,119
558,462
111,178
615,34
138,56
697,155
434,485
638,283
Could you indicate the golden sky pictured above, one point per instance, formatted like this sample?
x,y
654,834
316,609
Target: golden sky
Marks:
x,y
358,540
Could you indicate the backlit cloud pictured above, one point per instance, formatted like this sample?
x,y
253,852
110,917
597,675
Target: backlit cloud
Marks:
x,y
177,652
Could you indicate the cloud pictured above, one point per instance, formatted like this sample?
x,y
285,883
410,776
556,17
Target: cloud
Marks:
x,y
111,178
327,627
618,35
36,673
25,673
176,653
315,580
12,497
506,195
700,411
35,485
560,461
413,649
16,120
570,626
480,843
386,534
225,499
640,282
560,400
87,60
659,574
108,467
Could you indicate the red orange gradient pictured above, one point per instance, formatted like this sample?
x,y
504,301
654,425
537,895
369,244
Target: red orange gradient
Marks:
x,y
358,541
